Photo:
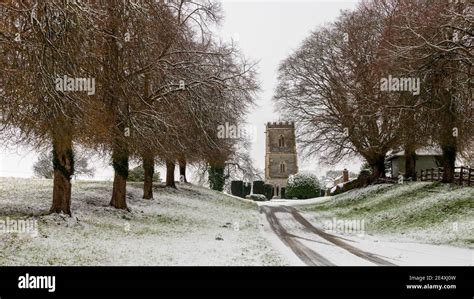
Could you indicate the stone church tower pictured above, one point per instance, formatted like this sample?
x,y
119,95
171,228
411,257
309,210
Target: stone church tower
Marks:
x,y
280,154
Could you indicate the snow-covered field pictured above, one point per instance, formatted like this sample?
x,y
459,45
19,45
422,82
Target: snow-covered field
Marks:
x,y
409,224
189,226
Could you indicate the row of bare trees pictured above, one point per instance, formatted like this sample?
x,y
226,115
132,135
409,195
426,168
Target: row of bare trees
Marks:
x,y
335,84
144,80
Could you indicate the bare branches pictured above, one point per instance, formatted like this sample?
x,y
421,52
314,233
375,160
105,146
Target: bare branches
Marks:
x,y
131,79
332,85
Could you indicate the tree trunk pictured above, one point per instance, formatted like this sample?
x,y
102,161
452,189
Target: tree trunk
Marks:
x,y
378,168
170,164
63,164
119,192
182,168
148,159
410,137
149,169
120,164
449,160
447,138
410,162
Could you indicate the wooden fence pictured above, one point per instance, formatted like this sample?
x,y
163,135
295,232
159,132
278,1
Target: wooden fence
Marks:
x,y
462,175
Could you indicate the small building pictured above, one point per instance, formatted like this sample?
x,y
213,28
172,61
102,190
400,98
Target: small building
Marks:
x,y
339,182
345,177
280,154
426,158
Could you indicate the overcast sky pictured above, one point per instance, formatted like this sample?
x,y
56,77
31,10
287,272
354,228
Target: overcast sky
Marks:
x,y
266,31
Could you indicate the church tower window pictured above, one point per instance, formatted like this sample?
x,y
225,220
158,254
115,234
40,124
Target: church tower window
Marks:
x,y
281,141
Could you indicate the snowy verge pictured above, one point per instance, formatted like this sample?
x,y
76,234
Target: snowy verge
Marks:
x,y
188,226
421,212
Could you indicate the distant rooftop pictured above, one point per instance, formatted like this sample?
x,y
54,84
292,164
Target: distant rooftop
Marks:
x,y
423,151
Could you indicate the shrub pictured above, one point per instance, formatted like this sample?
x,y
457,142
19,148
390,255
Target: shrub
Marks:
x,y
303,186
365,167
137,174
216,178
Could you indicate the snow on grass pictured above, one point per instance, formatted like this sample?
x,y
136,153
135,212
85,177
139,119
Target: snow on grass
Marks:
x,y
426,212
189,226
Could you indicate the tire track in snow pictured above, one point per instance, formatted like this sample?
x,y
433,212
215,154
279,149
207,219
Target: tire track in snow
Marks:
x,y
307,255
338,242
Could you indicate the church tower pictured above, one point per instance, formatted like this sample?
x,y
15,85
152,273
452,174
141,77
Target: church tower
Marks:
x,y
280,154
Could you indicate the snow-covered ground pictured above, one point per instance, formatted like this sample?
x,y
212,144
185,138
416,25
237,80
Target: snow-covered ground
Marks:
x,y
405,253
399,251
421,212
415,224
343,249
295,202
197,226
189,226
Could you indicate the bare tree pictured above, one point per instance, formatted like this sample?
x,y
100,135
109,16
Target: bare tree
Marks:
x,y
44,168
136,43
39,48
437,45
330,86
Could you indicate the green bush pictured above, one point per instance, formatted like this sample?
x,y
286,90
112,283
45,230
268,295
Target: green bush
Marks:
x,y
216,178
303,186
137,174
365,167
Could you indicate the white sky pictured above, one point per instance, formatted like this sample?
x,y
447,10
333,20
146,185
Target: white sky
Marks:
x,y
266,31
